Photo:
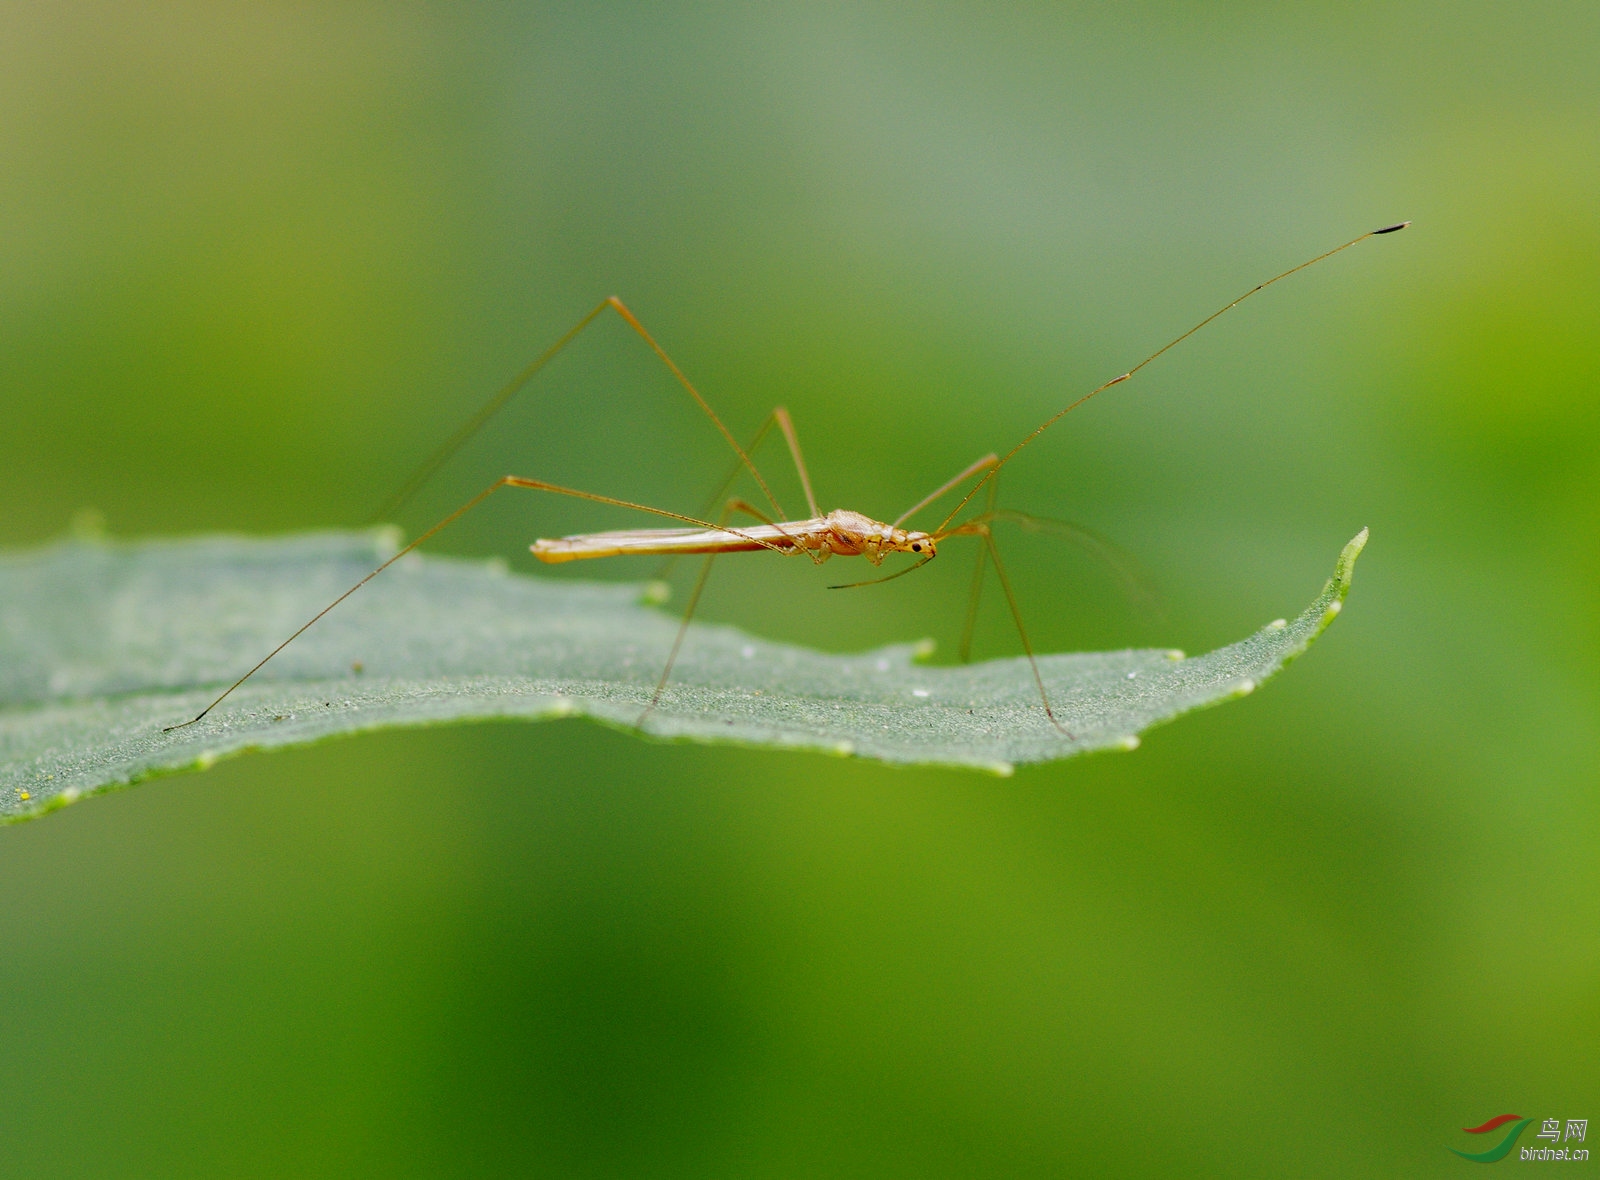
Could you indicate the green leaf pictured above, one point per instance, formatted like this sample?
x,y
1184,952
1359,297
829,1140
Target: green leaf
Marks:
x,y
101,645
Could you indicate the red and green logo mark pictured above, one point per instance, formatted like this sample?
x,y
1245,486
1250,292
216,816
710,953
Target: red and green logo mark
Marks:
x,y
1575,1131
1502,1149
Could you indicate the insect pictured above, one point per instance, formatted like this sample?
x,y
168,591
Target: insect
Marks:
x,y
820,536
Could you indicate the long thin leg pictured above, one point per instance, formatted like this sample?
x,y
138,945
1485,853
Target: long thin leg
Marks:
x,y
1022,632
472,425
751,447
749,509
506,481
977,586
786,425
496,403
621,310
711,501
677,640
778,417
1136,581
984,464
730,507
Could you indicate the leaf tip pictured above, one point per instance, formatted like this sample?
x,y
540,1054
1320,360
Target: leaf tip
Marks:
x,y
1347,557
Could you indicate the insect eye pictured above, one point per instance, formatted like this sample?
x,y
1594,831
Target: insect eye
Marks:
x,y
916,547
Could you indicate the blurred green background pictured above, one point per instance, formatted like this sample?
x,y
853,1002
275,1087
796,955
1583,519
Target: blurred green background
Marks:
x,y
257,259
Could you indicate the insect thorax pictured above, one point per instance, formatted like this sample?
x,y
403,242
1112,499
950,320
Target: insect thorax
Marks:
x,y
854,534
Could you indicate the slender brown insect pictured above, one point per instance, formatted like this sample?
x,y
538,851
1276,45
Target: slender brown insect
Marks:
x,y
840,533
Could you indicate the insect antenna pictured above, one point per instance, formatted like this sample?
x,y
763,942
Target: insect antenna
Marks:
x,y
1167,347
886,578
